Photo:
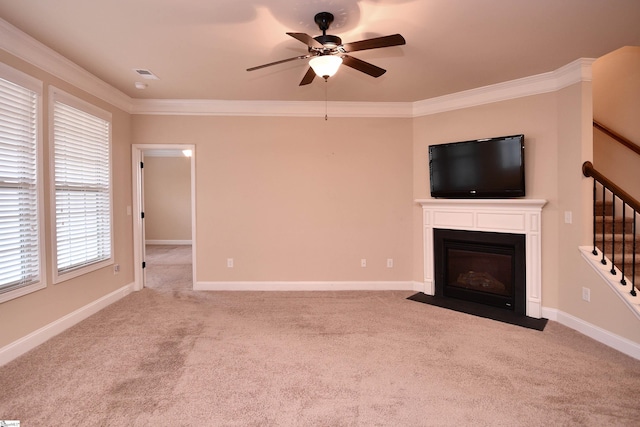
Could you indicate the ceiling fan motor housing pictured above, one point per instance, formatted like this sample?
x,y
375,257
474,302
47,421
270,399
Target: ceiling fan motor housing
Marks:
x,y
329,41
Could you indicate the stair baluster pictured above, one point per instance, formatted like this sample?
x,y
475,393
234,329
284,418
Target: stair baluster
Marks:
x,y
623,281
613,234
604,217
620,259
633,257
594,251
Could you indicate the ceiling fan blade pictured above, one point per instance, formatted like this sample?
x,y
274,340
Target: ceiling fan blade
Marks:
x,y
363,66
375,43
306,39
308,78
279,62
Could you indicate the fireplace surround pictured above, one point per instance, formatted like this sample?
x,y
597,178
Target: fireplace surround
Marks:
x,y
508,216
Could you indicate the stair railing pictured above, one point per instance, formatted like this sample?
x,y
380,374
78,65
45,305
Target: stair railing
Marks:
x,y
617,137
628,205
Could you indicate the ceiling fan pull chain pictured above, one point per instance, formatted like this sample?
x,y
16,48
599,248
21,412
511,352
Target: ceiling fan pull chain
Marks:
x,y
326,116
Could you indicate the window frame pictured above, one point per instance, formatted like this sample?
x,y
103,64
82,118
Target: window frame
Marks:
x,y
36,86
58,95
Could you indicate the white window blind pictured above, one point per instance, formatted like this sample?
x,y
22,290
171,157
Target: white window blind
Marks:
x,y
82,187
20,263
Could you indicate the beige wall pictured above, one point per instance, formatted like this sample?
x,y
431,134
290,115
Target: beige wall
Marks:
x,y
167,198
616,91
21,316
296,199
616,104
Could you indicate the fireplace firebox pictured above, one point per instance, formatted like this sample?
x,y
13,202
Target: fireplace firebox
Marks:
x,y
482,267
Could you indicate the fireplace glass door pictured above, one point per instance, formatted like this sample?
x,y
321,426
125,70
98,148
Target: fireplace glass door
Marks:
x,y
486,268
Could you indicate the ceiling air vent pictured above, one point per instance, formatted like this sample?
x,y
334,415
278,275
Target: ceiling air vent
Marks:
x,y
145,74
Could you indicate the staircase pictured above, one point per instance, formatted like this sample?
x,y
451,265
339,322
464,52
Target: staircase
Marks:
x,y
615,251
614,237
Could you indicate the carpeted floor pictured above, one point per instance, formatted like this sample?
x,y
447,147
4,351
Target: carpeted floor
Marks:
x,y
167,357
169,267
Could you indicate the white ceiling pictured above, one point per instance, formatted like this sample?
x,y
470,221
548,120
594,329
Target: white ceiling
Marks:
x,y
200,49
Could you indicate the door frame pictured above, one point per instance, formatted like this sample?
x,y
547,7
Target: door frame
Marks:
x,y
137,156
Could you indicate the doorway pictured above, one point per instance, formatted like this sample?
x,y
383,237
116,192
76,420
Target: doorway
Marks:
x,y
170,254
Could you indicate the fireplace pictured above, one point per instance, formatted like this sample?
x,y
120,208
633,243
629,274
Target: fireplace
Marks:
x,y
481,267
518,216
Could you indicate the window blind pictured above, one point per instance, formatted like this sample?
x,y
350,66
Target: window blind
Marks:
x,y
82,187
19,223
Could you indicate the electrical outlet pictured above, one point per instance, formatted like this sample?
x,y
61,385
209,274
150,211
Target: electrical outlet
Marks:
x,y
363,262
586,294
389,262
230,262
116,268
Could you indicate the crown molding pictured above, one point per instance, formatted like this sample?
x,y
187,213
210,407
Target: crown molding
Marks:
x,y
579,70
37,54
32,51
270,108
572,73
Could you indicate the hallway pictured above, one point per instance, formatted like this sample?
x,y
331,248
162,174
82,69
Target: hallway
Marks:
x,y
169,268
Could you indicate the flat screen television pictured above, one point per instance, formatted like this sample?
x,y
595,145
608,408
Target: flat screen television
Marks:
x,y
484,168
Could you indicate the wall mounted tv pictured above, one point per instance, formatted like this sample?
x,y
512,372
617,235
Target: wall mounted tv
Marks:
x,y
484,168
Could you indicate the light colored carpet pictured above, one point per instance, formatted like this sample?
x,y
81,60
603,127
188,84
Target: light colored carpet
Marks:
x,y
169,267
187,358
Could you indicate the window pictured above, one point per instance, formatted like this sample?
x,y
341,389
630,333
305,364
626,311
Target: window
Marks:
x,y
20,190
82,181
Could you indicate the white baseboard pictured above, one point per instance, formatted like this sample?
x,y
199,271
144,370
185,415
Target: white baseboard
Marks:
x,y
610,339
307,286
34,339
167,242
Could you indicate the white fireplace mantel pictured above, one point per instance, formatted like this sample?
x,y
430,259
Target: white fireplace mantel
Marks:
x,y
516,216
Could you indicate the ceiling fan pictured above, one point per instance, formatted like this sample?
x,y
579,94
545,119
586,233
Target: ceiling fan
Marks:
x,y
327,52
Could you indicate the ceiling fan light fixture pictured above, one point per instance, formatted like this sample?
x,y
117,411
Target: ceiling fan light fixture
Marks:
x,y
325,66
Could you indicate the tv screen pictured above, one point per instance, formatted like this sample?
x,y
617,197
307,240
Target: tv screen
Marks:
x,y
484,168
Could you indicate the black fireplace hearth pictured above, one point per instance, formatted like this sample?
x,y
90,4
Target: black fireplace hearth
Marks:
x,y
481,310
